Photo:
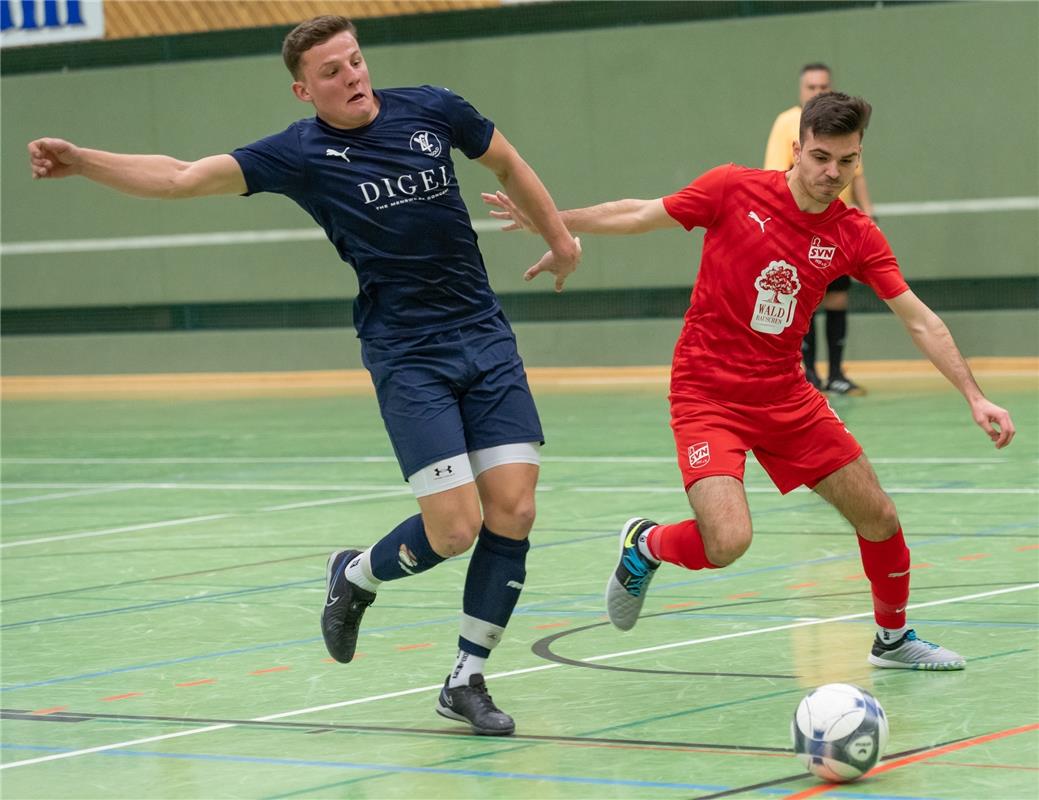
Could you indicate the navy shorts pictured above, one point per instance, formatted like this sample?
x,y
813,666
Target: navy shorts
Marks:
x,y
452,392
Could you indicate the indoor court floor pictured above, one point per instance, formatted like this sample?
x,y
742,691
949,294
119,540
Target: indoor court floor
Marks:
x,y
163,560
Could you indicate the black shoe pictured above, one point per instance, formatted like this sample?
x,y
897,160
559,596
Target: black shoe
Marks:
x,y
841,384
344,607
813,378
472,704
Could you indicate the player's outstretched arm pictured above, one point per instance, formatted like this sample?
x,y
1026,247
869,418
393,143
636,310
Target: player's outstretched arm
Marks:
x,y
616,217
537,207
931,335
141,175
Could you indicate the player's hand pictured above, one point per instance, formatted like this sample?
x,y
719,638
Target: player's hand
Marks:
x,y
53,158
509,211
559,264
995,421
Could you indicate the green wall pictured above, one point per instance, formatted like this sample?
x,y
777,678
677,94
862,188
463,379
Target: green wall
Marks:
x,y
599,113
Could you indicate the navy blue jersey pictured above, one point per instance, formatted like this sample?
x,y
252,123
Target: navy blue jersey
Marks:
x,y
387,197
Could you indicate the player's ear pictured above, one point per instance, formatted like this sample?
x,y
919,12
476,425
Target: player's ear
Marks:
x,y
797,150
300,90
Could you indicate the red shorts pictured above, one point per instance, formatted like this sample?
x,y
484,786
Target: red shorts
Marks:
x,y
799,440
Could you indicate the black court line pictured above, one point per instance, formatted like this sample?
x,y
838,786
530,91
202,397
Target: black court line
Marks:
x,y
791,778
310,727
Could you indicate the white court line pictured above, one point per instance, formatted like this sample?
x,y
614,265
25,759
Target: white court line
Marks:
x,y
221,238
804,489
396,492
109,531
524,671
334,500
391,459
218,487
396,489
61,495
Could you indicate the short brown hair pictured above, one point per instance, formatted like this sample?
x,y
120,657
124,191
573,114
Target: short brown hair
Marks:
x,y
835,114
315,31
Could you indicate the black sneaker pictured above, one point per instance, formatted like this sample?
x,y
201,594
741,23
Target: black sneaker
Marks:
x,y
344,607
841,384
472,704
813,378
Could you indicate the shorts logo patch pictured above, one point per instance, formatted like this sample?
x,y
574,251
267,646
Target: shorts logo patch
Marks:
x,y
819,254
777,287
443,472
699,455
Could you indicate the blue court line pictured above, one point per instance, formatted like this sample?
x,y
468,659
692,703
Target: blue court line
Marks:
x,y
468,773
157,604
522,610
393,768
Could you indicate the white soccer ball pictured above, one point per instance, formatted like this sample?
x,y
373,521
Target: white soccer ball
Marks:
x,y
839,732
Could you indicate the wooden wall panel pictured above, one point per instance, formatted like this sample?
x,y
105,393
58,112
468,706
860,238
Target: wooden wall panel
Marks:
x,y
131,18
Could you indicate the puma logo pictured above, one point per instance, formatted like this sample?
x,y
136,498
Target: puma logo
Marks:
x,y
754,216
342,155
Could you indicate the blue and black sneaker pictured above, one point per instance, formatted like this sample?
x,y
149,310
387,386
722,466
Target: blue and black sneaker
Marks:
x,y
626,589
344,607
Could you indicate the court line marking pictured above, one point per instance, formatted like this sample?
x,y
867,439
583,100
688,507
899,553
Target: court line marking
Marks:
x,y
916,757
61,495
207,518
392,460
223,238
510,673
397,489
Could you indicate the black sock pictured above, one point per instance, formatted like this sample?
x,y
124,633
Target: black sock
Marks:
x,y
808,345
836,332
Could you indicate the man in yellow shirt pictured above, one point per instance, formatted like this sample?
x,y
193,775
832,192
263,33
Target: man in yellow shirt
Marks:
x,y
779,154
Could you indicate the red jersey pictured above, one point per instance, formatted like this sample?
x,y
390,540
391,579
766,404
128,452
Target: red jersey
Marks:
x,y
765,268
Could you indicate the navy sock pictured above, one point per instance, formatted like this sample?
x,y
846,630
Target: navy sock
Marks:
x,y
493,583
403,551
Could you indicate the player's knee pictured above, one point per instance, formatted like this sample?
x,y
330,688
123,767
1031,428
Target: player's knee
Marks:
x,y
512,516
453,538
724,549
882,524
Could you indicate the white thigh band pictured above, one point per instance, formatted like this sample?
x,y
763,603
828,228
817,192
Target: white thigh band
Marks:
x,y
462,469
441,476
519,453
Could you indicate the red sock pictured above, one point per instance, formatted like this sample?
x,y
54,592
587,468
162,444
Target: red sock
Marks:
x,y
887,567
680,544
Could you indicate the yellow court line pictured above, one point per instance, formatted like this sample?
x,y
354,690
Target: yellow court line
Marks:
x,y
357,381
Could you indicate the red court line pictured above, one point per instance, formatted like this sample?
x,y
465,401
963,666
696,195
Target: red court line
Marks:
x,y
741,595
983,766
197,683
1027,547
974,556
414,646
551,625
861,576
44,711
920,566
269,669
802,585
686,604
120,696
903,762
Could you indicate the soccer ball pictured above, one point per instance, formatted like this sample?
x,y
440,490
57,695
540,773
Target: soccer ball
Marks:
x,y
839,732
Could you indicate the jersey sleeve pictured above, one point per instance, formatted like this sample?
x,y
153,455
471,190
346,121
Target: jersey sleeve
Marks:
x,y
470,131
877,266
698,204
273,164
